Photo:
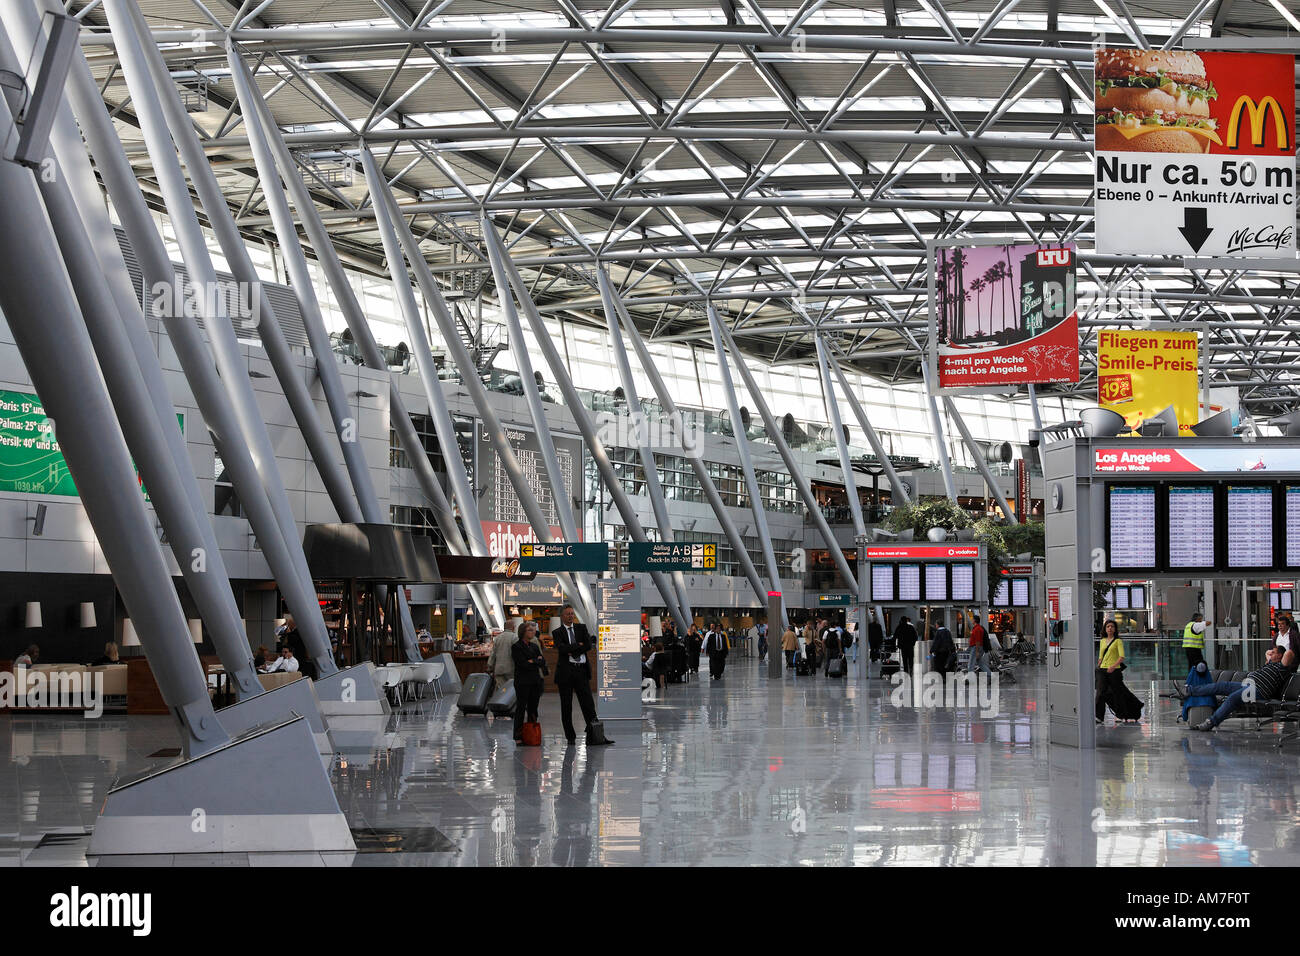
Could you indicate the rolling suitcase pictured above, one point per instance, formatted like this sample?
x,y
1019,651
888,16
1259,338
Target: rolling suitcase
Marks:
x,y
502,703
474,695
835,668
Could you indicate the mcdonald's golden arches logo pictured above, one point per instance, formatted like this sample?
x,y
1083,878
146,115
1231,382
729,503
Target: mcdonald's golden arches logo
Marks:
x,y
1258,113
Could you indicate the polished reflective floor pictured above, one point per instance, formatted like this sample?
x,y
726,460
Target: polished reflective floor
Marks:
x,y
748,770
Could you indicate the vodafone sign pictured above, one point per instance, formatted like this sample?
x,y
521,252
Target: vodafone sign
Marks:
x,y
876,553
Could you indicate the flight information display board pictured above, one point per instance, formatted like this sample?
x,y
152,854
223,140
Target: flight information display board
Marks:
x,y
882,582
1250,526
909,582
1292,500
936,582
1002,596
963,582
1121,599
1020,592
1137,597
1191,526
1131,514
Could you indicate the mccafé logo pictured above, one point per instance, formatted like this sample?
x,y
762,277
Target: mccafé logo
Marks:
x,y
1258,112
507,567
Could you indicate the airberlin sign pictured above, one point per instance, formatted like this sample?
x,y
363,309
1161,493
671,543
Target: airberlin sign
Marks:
x,y
1195,153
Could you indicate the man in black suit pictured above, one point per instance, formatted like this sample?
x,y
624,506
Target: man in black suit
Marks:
x,y
573,671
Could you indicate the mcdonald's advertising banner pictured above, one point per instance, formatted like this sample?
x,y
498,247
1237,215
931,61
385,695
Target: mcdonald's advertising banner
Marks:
x,y
1140,373
1195,153
1003,315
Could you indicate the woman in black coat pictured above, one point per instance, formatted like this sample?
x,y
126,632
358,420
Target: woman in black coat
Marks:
x,y
875,637
530,667
905,636
943,651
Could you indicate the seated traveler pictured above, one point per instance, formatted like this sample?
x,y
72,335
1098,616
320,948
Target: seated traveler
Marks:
x,y
1265,682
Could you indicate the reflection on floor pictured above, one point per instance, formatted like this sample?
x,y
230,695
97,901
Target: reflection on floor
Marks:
x,y
804,771
747,770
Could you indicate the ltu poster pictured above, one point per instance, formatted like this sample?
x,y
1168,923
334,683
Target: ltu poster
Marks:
x,y
1004,315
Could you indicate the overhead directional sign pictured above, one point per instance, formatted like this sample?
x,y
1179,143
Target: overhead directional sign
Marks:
x,y
564,556
1195,153
833,600
671,556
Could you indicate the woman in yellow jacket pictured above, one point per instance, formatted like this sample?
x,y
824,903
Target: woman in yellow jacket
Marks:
x,y
1111,688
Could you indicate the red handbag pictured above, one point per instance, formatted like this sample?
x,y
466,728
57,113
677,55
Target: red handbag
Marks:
x,y
531,734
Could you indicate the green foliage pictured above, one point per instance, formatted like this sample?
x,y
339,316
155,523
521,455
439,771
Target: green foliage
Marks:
x,y
927,513
1003,541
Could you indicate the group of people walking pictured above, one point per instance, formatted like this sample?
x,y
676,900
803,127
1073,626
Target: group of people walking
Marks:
x,y
816,645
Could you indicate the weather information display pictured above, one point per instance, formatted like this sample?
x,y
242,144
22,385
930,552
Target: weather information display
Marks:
x,y
1250,526
1132,531
1191,526
963,582
882,582
1293,526
909,582
936,582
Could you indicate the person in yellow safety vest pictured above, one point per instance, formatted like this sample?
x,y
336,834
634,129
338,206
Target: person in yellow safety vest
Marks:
x,y
1194,640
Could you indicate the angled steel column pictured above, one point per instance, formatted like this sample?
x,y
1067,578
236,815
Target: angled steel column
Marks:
x,y
774,431
461,491
486,598
980,463
642,438
1038,422
148,421
940,442
131,368
227,402
878,447
268,326
746,462
694,457
47,327
837,426
568,525
595,447
386,208
295,262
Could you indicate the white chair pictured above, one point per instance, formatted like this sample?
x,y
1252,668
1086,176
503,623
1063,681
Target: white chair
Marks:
x,y
423,674
390,680
437,670
405,677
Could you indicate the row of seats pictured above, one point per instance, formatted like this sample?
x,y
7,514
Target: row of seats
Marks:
x,y
1287,707
401,682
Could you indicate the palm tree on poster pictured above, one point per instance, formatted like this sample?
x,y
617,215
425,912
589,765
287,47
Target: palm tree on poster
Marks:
x,y
1014,314
958,261
991,280
941,290
1000,268
978,285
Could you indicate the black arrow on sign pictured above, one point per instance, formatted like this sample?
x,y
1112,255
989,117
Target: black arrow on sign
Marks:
x,y
1194,229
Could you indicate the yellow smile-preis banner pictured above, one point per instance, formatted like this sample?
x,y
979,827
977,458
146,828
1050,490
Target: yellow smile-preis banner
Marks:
x,y
1140,373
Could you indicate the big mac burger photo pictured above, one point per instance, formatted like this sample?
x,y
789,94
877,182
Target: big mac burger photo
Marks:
x,y
1153,101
